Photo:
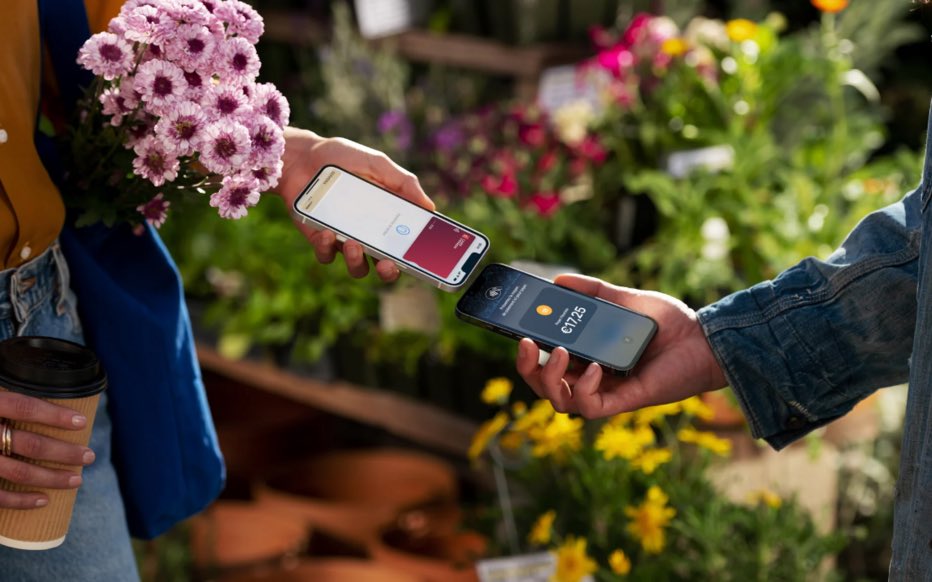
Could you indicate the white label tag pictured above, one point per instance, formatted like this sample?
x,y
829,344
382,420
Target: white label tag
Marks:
x,y
527,568
713,159
386,17
562,85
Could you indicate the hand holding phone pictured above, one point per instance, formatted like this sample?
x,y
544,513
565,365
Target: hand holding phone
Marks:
x,y
678,362
425,244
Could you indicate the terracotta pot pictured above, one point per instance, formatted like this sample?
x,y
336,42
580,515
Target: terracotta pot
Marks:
x,y
328,570
355,494
447,557
235,534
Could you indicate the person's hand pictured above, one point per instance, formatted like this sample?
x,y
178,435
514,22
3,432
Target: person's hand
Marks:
x,y
306,153
677,364
27,445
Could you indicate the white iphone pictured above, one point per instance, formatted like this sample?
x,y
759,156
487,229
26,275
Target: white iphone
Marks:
x,y
422,243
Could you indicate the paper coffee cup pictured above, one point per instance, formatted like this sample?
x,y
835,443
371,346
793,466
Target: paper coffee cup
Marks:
x,y
62,373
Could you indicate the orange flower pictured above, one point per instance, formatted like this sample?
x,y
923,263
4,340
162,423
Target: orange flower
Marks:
x,y
830,6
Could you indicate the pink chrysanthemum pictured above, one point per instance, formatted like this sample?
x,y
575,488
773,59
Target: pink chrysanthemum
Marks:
x,y
191,46
139,126
237,61
267,141
161,84
225,147
107,55
236,196
267,100
143,23
241,20
155,211
114,104
267,177
182,127
225,102
195,86
154,161
190,12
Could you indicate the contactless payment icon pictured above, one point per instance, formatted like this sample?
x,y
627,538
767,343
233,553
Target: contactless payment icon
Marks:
x,y
403,229
544,310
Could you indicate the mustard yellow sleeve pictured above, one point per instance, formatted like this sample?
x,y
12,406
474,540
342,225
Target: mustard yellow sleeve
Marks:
x,y
99,12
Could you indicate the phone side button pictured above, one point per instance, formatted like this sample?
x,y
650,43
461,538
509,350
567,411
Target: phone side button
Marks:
x,y
341,238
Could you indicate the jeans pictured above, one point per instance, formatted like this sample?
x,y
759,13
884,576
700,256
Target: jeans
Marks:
x,y
35,299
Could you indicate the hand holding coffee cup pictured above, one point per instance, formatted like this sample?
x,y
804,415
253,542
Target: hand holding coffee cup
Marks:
x,y
21,449
49,391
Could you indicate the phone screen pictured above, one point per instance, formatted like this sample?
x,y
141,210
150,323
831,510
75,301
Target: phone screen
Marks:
x,y
528,306
390,224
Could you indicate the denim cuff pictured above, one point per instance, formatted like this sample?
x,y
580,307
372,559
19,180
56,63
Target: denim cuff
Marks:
x,y
764,364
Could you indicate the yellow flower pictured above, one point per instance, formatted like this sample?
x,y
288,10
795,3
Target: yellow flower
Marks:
x,y
619,441
539,414
649,519
830,6
765,497
675,47
542,529
650,460
572,561
706,440
622,419
486,432
652,414
619,563
496,391
741,29
560,435
512,441
518,409
694,406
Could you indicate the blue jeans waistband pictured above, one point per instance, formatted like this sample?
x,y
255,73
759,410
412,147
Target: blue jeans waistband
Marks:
x,y
27,286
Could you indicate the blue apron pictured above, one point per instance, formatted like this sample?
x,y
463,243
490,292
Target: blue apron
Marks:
x,y
131,302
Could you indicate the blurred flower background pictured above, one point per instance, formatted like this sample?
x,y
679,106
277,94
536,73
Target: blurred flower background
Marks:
x,y
692,147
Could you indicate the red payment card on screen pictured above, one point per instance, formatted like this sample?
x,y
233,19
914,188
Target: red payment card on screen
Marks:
x,y
439,247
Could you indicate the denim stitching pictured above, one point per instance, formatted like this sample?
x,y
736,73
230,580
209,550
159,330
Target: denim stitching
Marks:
x,y
835,285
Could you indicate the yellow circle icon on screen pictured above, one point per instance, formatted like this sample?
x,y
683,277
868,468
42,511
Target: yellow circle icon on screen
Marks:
x,y
544,310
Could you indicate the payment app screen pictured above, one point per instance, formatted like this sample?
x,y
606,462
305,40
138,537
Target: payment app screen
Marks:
x,y
557,317
388,223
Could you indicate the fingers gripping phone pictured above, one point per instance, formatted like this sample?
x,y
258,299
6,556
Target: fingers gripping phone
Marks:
x,y
422,243
518,304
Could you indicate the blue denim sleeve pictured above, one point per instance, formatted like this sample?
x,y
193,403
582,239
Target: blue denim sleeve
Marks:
x,y
801,350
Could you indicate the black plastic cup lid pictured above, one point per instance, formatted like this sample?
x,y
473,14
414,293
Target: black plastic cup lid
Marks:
x,y
50,368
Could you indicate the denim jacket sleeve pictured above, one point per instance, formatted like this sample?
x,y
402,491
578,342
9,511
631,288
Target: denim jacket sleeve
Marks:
x,y
801,350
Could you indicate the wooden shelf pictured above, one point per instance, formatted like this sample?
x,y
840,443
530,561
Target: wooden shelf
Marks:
x,y
397,414
524,63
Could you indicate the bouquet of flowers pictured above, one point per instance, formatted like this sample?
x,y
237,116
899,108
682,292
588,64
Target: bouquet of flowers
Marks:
x,y
175,110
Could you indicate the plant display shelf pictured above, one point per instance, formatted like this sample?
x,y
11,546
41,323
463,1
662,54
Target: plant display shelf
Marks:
x,y
524,63
402,416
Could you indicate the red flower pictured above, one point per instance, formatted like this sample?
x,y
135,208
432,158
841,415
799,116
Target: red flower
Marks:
x,y
547,161
533,135
505,186
591,149
546,203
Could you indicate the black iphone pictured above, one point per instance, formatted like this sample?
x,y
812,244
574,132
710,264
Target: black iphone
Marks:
x,y
517,304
